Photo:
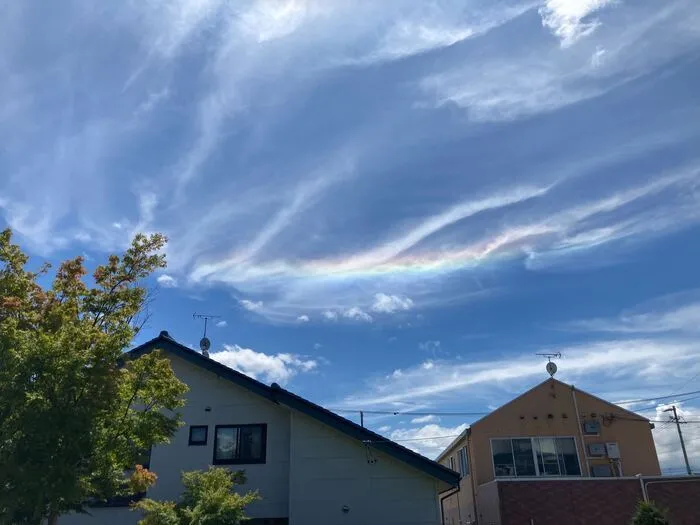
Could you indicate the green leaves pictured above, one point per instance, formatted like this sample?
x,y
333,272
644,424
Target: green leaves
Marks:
x,y
649,514
72,418
209,498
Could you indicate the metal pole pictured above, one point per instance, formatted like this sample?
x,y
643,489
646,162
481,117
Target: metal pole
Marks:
x,y
680,436
362,419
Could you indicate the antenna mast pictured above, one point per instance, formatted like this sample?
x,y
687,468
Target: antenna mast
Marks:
x,y
205,343
551,365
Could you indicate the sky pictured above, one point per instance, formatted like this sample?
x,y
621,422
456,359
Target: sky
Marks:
x,y
391,206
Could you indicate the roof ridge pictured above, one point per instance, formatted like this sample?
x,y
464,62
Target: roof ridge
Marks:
x,y
276,394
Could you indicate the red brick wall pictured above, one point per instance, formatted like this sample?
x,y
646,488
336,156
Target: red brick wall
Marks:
x,y
680,498
568,502
594,502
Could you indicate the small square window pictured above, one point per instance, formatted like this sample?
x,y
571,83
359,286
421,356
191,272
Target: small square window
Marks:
x,y
198,435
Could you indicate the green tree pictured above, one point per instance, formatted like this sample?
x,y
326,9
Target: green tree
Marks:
x,y
649,514
74,414
209,498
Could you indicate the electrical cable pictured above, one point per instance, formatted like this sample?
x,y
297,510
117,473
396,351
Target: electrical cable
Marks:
x,y
629,401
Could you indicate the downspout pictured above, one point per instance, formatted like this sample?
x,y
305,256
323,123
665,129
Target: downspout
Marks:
x,y
644,488
472,475
442,502
580,431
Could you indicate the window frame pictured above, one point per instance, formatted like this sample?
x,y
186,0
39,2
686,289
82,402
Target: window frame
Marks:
x,y
452,463
463,460
191,443
537,475
239,461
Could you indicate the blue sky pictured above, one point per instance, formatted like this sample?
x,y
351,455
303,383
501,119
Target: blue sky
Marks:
x,y
391,205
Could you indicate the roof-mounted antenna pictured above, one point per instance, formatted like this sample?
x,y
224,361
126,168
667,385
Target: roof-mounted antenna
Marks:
x,y
205,343
551,365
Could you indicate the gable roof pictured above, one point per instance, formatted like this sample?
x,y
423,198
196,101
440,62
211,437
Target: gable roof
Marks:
x,y
547,381
565,385
277,394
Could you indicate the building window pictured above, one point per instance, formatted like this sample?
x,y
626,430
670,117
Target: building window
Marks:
x,y
240,444
452,463
463,461
198,435
537,456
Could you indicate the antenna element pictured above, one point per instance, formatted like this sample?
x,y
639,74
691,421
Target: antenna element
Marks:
x,y
551,365
204,342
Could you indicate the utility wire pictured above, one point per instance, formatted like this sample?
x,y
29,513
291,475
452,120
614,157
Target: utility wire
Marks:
x,y
400,413
408,439
629,401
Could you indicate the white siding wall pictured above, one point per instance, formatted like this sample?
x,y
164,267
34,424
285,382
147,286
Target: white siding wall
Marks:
x,y
330,470
230,405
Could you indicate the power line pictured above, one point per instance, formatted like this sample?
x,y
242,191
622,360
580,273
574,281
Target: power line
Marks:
x,y
399,413
629,401
409,439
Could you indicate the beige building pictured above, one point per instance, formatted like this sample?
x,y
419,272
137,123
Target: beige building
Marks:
x,y
311,466
552,431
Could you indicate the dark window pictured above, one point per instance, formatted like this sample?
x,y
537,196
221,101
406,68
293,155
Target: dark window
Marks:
x,y
198,435
503,457
240,444
545,456
524,461
463,461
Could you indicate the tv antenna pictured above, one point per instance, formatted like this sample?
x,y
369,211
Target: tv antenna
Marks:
x,y
551,365
204,342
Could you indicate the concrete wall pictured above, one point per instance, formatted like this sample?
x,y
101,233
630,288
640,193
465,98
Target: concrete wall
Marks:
x,y
548,410
330,471
488,505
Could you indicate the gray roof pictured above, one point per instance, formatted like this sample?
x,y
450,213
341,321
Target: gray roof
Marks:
x,y
279,395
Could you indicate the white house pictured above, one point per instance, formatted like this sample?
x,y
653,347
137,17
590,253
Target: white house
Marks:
x,y
310,465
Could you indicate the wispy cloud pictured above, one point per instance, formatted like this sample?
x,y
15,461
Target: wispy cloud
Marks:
x,y
167,281
280,368
390,304
303,319
673,313
221,324
251,306
357,314
570,20
436,379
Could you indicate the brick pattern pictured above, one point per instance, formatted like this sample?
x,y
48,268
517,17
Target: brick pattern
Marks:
x,y
568,502
680,498
591,502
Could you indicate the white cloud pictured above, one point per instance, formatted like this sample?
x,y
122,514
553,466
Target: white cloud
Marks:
x,y
571,20
357,314
318,346
330,315
627,361
221,324
278,368
252,306
667,442
424,419
673,313
167,281
303,319
428,440
383,429
390,304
